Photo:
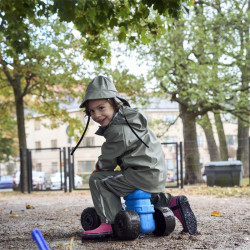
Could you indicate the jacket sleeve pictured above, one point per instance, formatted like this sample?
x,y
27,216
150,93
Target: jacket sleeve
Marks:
x,y
114,147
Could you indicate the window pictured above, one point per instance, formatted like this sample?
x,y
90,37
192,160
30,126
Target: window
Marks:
x,y
38,167
37,145
54,167
85,166
232,140
54,143
37,125
88,141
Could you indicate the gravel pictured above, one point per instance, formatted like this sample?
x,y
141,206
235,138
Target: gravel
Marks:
x,y
57,216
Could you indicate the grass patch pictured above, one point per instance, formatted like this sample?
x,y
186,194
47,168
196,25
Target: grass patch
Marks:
x,y
245,181
236,191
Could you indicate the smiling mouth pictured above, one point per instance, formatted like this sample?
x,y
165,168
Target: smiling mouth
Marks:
x,y
101,121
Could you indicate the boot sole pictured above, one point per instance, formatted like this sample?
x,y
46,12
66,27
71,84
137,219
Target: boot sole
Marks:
x,y
97,236
187,215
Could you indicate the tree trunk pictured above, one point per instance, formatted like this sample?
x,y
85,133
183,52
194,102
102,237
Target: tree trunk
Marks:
x,y
205,123
222,137
21,129
191,152
243,147
243,127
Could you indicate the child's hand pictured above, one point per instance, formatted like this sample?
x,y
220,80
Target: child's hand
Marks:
x,y
96,168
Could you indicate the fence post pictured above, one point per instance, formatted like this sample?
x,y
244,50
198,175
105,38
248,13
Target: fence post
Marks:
x,y
65,169
70,171
181,161
177,164
29,170
21,171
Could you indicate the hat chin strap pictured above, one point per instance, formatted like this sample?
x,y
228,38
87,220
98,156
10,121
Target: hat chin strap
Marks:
x,y
133,129
78,143
74,149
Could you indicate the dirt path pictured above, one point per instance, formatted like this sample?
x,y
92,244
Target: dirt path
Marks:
x,y
57,216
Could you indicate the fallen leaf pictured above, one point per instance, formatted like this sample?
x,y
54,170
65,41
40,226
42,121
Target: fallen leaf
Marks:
x,y
14,215
29,207
216,213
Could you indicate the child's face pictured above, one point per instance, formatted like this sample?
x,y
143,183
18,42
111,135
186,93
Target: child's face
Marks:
x,y
101,111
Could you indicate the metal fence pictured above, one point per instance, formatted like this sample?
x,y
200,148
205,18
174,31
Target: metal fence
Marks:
x,y
55,169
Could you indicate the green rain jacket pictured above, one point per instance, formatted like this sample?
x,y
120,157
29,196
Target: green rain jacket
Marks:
x,y
144,168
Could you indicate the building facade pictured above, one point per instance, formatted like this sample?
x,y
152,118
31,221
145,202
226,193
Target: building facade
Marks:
x,y
164,120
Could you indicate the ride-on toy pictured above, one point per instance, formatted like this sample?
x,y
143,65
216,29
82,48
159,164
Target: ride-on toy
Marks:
x,y
139,216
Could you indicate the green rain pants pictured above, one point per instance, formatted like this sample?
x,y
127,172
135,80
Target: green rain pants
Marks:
x,y
107,188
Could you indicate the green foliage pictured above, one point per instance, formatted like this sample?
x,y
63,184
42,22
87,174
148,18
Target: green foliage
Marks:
x,y
13,18
130,21
8,143
189,61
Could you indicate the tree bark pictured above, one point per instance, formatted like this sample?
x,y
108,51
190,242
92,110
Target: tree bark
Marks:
x,y
243,127
191,152
16,84
243,147
222,137
206,125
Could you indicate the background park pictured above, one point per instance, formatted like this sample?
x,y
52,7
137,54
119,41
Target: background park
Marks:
x,y
191,53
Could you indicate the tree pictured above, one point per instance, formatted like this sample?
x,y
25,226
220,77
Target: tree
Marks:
x,y
172,69
222,136
231,30
188,64
37,53
240,25
206,124
37,60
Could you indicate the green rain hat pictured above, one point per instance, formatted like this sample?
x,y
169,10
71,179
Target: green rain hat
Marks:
x,y
102,87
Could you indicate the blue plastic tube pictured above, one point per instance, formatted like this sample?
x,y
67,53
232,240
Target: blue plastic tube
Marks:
x,y
38,238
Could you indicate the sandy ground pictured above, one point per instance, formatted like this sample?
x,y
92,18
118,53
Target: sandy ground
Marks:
x,y
57,216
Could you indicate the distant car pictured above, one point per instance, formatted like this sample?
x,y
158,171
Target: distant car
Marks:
x,y
6,181
39,180
57,180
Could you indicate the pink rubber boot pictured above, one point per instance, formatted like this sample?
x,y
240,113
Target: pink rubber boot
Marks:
x,y
104,230
182,210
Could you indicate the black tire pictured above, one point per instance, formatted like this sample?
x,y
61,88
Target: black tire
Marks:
x,y
164,221
127,225
90,219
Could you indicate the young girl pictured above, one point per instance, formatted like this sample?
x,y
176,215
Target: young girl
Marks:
x,y
131,145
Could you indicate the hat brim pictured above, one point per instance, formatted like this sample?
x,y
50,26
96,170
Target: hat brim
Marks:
x,y
103,95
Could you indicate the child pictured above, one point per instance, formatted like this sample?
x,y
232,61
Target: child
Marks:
x,y
134,147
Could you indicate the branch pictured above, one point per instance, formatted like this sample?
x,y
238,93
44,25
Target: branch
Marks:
x,y
5,69
28,81
168,127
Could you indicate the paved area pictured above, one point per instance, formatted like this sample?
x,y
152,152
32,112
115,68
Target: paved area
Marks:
x,y
57,216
